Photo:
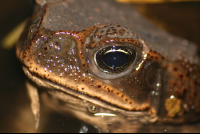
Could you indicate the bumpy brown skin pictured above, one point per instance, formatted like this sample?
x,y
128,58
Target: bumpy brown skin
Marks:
x,y
59,43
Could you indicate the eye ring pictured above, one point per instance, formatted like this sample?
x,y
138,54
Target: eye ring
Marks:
x,y
114,59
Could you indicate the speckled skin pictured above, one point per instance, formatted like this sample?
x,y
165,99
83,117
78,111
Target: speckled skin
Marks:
x,y
57,50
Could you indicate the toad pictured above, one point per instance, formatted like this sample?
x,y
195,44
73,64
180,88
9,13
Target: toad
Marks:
x,y
100,57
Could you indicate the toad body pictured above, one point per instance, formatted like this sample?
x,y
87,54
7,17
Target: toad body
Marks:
x,y
105,57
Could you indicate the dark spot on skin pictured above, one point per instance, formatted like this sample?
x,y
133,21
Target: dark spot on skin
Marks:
x,y
117,93
180,76
83,64
122,95
108,31
118,26
114,30
99,86
100,36
130,102
83,80
195,82
82,88
162,57
175,69
174,84
45,48
126,99
96,33
89,45
86,71
187,74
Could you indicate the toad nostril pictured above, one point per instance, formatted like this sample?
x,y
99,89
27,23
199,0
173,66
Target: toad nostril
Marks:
x,y
93,109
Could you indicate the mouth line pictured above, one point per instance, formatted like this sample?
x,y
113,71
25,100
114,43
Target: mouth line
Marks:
x,y
40,82
130,115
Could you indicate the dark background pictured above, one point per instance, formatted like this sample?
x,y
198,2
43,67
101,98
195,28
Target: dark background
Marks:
x,y
181,19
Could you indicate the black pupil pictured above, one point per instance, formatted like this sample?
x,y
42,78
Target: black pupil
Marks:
x,y
115,59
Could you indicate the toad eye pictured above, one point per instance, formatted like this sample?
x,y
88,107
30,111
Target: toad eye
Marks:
x,y
114,59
